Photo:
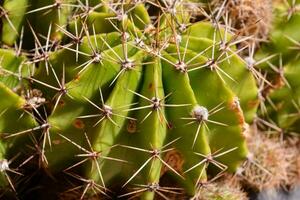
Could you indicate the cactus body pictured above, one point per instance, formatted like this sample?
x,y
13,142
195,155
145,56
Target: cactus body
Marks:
x,y
124,94
282,97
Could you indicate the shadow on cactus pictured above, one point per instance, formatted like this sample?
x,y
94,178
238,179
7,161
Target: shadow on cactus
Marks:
x,y
128,97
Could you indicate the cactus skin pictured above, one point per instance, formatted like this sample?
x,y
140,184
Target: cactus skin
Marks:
x,y
283,95
19,15
13,64
123,96
11,110
12,14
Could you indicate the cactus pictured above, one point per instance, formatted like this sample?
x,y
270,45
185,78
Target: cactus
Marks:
x,y
281,96
131,92
18,17
11,112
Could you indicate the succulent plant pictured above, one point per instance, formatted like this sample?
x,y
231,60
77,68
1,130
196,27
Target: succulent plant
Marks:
x,y
281,96
118,94
12,112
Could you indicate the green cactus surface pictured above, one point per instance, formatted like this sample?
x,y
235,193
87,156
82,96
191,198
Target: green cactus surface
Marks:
x,y
281,96
118,94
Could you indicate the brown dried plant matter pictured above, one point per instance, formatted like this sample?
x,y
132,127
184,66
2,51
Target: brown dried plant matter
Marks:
x,y
269,162
293,149
249,17
225,188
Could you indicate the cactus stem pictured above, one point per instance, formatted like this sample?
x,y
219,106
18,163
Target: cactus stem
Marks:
x,y
199,54
292,9
154,154
62,89
152,187
4,13
6,72
210,158
56,5
280,70
106,111
96,56
121,15
92,155
44,56
76,39
295,43
212,63
297,107
86,9
156,104
144,50
89,185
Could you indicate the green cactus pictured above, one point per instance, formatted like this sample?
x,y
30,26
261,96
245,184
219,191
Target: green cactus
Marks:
x,y
19,17
282,95
126,87
12,14
11,113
